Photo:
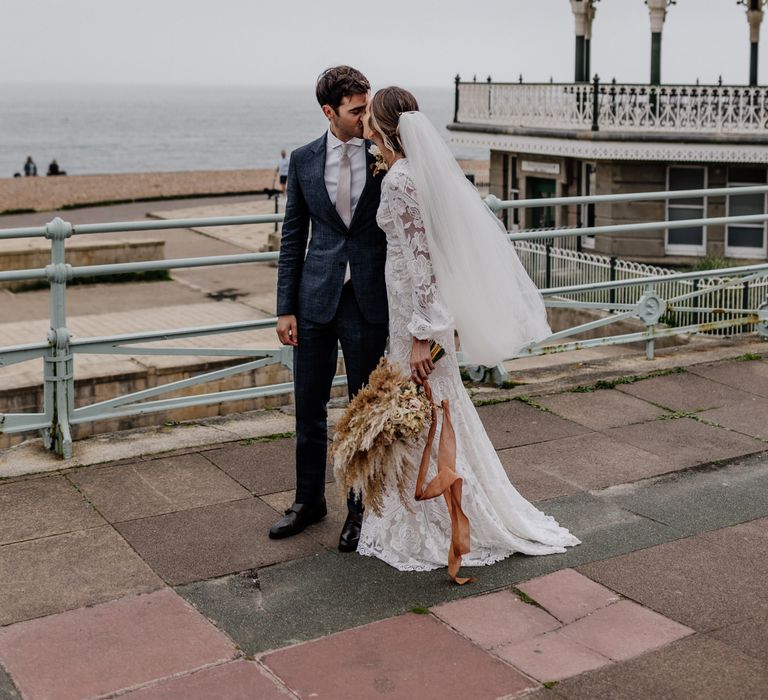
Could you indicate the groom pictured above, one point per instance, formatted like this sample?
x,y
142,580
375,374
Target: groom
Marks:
x,y
336,294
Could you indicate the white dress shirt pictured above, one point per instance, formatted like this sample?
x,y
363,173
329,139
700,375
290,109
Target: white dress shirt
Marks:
x,y
357,160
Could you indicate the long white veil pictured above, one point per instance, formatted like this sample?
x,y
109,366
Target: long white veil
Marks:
x,y
495,305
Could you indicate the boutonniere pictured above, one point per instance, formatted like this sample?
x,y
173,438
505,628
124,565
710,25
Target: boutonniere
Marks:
x,y
379,165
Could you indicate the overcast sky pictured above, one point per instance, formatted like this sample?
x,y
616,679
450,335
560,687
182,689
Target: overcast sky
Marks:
x,y
410,42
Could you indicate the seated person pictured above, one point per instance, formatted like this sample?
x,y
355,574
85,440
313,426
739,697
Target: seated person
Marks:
x,y
53,169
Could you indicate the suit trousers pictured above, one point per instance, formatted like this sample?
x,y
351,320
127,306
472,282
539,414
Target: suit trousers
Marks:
x,y
314,366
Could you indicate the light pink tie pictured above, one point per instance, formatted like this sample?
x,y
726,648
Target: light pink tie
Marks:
x,y
344,189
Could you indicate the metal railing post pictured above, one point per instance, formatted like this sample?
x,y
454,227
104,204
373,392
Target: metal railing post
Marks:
x,y
548,269
745,299
649,310
277,207
456,80
612,278
58,377
595,102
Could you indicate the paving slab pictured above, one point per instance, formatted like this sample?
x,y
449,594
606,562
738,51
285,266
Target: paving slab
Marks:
x,y
41,507
589,461
694,667
602,409
532,483
514,423
49,575
238,680
751,376
748,636
749,541
568,595
403,658
327,531
625,629
211,541
551,657
7,688
747,417
732,592
111,647
605,530
262,468
252,237
495,619
684,442
693,502
683,392
157,486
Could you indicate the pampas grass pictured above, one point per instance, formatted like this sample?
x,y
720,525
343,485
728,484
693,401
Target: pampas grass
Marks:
x,y
372,450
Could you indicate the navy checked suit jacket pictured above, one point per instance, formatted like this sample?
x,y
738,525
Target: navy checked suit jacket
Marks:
x,y
310,286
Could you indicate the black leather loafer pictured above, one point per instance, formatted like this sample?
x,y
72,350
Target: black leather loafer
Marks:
x,y
296,518
350,533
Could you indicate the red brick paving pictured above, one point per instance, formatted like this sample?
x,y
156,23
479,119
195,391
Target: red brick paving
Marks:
x,y
110,647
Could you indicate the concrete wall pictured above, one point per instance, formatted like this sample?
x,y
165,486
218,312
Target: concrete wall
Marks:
x,y
622,178
94,389
24,256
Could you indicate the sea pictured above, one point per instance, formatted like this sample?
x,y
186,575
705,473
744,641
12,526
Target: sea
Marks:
x,y
92,129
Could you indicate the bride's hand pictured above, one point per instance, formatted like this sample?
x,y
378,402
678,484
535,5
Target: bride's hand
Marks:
x,y
421,360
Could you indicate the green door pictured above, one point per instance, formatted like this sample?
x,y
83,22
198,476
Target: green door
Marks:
x,y
540,188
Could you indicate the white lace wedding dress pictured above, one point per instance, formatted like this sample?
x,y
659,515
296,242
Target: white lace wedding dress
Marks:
x,y
501,521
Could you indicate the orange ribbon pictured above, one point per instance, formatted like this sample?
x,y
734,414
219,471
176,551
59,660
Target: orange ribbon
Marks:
x,y
446,483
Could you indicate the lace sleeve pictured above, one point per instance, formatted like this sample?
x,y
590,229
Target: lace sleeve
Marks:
x,y
430,316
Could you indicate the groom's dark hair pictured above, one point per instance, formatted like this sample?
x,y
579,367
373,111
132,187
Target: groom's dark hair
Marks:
x,y
334,84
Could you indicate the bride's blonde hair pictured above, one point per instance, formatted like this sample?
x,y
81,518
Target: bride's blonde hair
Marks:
x,y
386,107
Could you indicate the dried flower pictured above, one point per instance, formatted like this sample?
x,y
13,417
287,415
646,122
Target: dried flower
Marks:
x,y
380,166
374,443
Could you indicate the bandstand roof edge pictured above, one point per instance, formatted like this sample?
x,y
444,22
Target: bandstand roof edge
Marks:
x,y
603,149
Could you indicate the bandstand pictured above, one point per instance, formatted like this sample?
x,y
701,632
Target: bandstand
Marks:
x,y
593,136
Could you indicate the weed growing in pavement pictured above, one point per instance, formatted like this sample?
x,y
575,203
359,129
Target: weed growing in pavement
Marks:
x,y
266,438
528,401
525,597
490,402
631,379
748,357
420,610
550,684
680,414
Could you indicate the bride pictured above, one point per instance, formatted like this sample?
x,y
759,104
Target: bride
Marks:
x,y
449,267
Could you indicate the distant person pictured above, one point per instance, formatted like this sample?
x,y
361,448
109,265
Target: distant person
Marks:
x,y
30,169
54,169
282,170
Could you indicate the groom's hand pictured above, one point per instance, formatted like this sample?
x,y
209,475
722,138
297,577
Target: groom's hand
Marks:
x,y
286,330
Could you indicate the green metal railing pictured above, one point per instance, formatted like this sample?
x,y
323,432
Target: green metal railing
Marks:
x,y
58,350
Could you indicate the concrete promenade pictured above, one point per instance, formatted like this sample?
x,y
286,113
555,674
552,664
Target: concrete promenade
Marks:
x,y
142,568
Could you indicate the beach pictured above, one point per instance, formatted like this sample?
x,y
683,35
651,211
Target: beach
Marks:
x,y
32,194
51,193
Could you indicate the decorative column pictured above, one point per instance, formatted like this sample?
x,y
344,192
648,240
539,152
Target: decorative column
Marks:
x,y
580,10
755,19
658,12
588,40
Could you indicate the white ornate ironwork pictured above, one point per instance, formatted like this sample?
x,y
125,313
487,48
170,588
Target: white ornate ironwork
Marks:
x,y
550,104
715,109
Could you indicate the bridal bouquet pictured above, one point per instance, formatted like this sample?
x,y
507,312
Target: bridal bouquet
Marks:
x,y
372,451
